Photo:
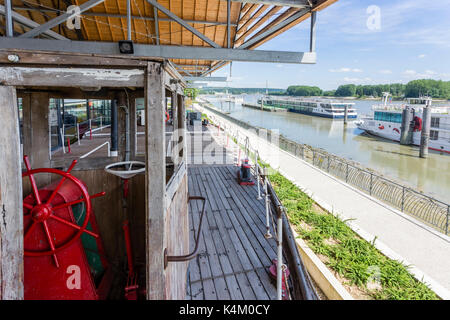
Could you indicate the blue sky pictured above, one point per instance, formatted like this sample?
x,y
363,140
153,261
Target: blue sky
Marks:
x,y
412,42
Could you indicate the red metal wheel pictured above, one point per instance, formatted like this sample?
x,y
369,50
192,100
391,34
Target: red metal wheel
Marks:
x,y
43,211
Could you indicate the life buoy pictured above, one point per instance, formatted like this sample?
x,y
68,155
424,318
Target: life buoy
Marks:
x,y
396,130
417,124
167,116
381,127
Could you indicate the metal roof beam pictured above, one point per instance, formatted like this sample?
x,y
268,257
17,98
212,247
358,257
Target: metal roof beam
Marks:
x,y
209,79
155,15
280,3
170,14
60,19
31,24
215,67
162,51
255,39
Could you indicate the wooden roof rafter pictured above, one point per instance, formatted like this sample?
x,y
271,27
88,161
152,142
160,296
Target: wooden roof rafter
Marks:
x,y
191,23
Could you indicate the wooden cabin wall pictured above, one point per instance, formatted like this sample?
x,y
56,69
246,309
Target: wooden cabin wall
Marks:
x,y
177,240
107,209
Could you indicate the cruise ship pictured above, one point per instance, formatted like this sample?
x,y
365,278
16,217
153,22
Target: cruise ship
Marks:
x,y
326,108
386,122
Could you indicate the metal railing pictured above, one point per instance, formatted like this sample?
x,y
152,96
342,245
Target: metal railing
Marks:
x,y
427,209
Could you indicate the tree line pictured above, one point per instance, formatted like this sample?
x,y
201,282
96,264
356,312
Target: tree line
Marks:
x,y
415,88
212,90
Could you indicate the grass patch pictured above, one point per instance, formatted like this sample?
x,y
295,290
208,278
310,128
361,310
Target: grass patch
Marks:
x,y
350,256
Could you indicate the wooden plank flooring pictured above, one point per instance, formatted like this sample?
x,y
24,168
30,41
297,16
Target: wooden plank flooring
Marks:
x,y
234,256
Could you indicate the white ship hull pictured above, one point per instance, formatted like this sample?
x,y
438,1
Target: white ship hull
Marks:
x,y
391,131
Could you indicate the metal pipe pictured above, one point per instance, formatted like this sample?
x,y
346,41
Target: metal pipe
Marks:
x,y
95,149
257,174
268,235
312,40
129,20
8,19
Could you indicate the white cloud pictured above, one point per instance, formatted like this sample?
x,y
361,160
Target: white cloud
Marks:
x,y
421,56
409,72
427,74
345,70
357,80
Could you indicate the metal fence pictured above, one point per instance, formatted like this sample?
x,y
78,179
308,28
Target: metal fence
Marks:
x,y
431,211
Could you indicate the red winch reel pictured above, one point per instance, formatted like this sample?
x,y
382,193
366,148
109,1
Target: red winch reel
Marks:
x,y
244,175
55,262
284,277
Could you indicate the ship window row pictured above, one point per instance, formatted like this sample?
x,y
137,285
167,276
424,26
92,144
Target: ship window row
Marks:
x,y
435,122
434,135
388,116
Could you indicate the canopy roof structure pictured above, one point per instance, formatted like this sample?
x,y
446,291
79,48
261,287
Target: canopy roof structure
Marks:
x,y
198,36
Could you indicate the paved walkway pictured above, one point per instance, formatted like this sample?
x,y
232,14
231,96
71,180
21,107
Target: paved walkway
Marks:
x,y
398,236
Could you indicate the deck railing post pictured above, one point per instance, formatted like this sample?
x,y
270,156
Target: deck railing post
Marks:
x,y
346,174
370,187
403,199
78,133
279,252
257,175
266,193
328,165
448,218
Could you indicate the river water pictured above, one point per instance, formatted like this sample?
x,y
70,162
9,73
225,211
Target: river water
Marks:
x,y
398,162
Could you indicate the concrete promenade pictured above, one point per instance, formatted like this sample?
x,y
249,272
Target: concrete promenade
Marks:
x,y
399,236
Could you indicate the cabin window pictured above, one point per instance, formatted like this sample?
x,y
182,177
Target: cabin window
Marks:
x,y
434,135
388,116
435,122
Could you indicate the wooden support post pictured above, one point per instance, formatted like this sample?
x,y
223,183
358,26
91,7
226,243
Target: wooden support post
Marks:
x,y
122,110
155,180
11,210
133,127
36,137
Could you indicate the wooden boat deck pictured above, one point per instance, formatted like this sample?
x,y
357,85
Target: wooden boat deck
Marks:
x,y
234,256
